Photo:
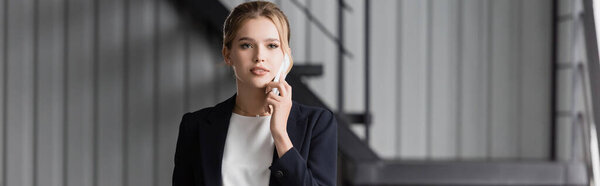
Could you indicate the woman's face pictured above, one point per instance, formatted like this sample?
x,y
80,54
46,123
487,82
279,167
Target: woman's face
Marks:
x,y
255,52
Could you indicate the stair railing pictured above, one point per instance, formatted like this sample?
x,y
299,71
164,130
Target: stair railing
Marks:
x,y
363,118
589,75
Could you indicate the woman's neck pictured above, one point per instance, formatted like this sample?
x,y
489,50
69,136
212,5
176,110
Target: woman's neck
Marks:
x,y
250,101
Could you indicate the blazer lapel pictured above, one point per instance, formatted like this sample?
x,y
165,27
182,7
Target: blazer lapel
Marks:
x,y
295,131
213,137
294,127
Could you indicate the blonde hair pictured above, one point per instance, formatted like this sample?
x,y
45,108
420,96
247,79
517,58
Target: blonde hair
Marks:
x,y
255,9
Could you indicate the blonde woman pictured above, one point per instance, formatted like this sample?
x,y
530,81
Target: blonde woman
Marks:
x,y
257,137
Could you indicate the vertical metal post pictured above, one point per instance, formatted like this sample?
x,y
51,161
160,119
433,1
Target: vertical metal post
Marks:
x,y
307,36
553,84
367,73
340,79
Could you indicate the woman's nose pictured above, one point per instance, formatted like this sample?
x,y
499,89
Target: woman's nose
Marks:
x,y
259,56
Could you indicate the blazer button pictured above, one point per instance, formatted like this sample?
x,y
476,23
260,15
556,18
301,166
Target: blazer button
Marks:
x,y
278,174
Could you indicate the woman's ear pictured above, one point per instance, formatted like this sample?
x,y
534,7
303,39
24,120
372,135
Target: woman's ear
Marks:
x,y
225,53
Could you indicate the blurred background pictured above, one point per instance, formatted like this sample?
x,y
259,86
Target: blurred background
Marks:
x,y
426,92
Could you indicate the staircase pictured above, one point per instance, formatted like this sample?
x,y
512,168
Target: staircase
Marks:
x,y
361,166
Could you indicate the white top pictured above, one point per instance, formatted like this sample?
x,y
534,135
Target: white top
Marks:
x,y
248,151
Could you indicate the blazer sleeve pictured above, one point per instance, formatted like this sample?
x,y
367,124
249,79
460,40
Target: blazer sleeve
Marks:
x,y
183,173
320,169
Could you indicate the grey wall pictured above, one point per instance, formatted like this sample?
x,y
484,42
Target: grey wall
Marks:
x,y
473,81
93,91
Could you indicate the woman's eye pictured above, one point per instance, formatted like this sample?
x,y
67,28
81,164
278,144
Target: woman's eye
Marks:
x,y
273,46
246,45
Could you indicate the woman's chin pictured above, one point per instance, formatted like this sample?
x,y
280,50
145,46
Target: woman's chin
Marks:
x,y
256,81
259,82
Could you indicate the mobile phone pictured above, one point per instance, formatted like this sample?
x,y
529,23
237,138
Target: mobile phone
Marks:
x,y
282,69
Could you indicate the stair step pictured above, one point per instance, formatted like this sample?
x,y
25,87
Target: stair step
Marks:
x,y
308,69
350,145
469,173
356,118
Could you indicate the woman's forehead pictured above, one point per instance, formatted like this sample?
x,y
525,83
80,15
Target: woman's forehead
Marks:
x,y
258,29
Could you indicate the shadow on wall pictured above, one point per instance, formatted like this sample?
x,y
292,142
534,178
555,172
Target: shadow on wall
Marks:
x,y
209,13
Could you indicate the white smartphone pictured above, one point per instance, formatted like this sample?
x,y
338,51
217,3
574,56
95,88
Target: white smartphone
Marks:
x,y
282,69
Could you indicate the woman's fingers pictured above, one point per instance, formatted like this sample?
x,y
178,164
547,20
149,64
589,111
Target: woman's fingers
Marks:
x,y
273,103
269,108
283,90
271,100
288,88
272,95
276,101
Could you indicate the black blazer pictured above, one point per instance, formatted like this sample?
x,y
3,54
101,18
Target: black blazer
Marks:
x,y
312,160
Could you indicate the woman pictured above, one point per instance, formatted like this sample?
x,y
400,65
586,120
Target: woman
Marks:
x,y
257,137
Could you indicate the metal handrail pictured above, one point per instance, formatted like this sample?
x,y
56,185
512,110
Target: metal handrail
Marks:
x,y
590,76
586,124
589,129
322,28
342,52
585,120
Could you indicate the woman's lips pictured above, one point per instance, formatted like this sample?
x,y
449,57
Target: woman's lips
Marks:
x,y
259,71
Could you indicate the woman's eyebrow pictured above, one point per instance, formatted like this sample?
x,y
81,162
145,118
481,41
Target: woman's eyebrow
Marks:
x,y
272,40
245,38
267,40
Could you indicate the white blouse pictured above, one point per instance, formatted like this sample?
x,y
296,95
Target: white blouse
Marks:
x,y
248,151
